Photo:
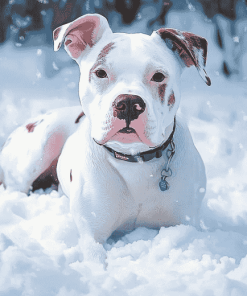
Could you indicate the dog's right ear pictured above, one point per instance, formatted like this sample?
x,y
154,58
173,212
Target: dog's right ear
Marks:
x,y
77,35
192,49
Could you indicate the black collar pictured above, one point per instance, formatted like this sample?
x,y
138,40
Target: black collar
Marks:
x,y
144,156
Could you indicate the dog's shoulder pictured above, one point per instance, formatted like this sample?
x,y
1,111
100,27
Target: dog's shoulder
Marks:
x,y
182,135
186,150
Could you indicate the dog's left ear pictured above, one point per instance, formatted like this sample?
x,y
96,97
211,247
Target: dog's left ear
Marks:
x,y
191,48
77,35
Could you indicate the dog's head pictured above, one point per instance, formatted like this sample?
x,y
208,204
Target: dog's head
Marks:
x,y
129,84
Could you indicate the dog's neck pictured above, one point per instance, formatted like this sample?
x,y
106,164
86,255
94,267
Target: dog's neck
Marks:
x,y
136,148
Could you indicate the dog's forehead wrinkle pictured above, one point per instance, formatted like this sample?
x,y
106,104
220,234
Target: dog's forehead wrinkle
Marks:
x,y
101,58
105,50
109,50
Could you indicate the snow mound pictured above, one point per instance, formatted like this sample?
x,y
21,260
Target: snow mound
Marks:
x,y
40,255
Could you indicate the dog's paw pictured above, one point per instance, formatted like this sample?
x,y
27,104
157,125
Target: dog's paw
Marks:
x,y
93,252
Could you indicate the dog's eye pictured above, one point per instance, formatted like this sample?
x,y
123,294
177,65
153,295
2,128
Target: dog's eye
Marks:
x,y
101,73
158,77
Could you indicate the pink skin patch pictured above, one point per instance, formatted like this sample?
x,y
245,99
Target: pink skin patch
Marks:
x,y
140,126
80,34
54,145
161,91
171,100
111,129
75,46
51,152
52,148
79,117
140,135
118,122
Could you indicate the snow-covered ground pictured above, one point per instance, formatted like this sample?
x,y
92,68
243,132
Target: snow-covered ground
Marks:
x,y
39,252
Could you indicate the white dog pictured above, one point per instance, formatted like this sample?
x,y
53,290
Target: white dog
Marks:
x,y
128,162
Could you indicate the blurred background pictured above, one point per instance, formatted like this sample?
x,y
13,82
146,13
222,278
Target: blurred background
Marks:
x,y
21,20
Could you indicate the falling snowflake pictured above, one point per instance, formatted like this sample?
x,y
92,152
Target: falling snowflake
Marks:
x,y
236,39
39,52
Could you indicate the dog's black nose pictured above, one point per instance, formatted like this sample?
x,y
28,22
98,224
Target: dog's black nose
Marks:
x,y
128,107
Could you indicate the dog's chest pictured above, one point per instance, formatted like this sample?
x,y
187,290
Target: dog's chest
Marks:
x,y
140,176
148,206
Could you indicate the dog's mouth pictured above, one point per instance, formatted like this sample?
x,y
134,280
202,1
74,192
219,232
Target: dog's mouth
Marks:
x,y
127,130
126,135
117,130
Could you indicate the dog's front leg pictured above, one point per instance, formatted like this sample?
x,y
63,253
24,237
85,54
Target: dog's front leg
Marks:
x,y
92,249
95,213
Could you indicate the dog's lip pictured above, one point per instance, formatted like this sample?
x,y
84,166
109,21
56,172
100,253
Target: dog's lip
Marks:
x,y
127,130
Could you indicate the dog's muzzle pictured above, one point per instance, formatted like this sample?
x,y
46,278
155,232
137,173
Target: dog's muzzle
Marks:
x,y
128,108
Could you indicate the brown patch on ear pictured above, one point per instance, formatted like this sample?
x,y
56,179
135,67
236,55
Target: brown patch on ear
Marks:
x,y
79,117
71,178
83,30
191,48
161,91
171,100
185,43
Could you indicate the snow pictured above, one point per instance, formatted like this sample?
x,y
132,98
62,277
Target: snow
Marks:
x,y
39,253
